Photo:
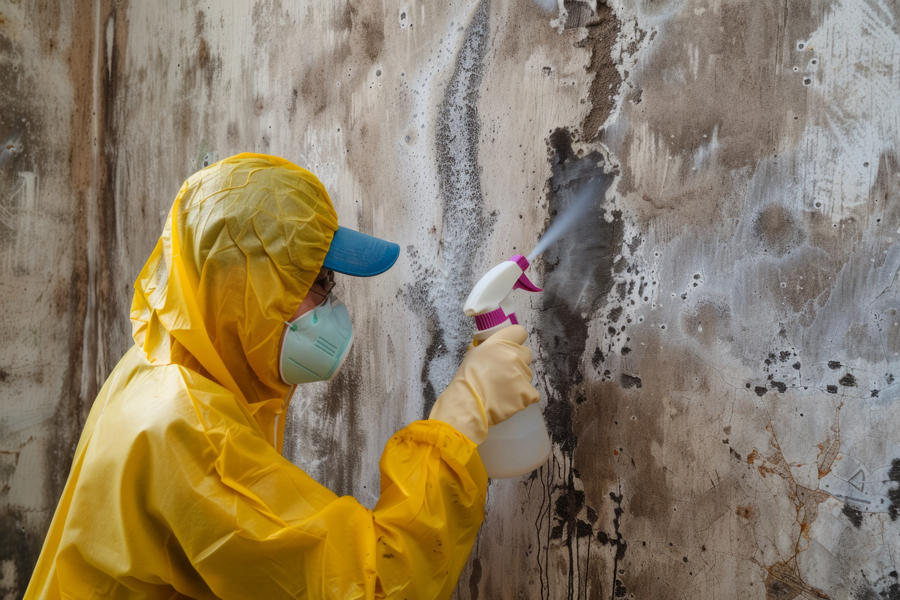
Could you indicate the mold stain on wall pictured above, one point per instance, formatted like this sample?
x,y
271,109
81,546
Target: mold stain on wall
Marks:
x,y
578,277
717,345
465,227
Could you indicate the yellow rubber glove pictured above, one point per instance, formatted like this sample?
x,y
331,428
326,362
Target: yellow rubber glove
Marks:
x,y
492,384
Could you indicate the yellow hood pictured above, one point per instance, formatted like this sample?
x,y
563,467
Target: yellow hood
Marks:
x,y
241,247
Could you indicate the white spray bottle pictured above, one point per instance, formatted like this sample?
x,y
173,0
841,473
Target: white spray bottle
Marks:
x,y
520,444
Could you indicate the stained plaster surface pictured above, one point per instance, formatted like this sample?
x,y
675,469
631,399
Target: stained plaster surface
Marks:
x,y
717,346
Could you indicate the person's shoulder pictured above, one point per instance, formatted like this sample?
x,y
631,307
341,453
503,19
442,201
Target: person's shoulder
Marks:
x,y
157,400
160,405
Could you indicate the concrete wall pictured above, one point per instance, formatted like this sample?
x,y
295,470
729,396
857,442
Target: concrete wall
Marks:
x,y
717,346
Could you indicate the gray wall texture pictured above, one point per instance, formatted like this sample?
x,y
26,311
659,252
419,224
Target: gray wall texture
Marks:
x,y
717,346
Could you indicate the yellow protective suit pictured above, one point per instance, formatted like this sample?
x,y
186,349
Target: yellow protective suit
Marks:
x,y
178,487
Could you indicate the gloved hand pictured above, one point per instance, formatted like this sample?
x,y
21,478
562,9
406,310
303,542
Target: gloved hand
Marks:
x,y
492,384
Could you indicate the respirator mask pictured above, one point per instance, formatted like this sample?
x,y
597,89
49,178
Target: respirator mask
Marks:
x,y
316,343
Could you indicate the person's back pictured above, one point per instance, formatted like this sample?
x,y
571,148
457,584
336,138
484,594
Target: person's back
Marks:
x,y
178,487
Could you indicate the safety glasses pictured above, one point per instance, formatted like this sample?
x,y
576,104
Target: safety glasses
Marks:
x,y
323,285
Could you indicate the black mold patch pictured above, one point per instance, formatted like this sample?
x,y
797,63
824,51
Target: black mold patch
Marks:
x,y
780,386
561,146
619,590
475,579
596,359
19,546
853,514
886,588
894,494
335,429
418,296
831,389
834,365
565,513
847,380
558,417
588,248
630,381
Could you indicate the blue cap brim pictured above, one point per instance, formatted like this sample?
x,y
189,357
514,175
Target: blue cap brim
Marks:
x,y
360,255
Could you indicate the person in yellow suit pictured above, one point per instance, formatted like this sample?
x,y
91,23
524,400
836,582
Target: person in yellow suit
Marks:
x,y
178,488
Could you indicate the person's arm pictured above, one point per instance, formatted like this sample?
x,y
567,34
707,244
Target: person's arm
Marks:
x,y
251,524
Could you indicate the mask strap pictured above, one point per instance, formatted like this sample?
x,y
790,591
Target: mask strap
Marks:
x,y
314,310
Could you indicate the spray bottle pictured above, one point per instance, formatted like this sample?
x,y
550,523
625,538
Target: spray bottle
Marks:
x,y
521,443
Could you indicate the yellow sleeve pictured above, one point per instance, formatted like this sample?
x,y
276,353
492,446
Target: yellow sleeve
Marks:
x,y
251,524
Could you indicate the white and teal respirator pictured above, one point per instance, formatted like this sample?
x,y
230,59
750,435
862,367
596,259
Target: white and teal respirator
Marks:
x,y
316,343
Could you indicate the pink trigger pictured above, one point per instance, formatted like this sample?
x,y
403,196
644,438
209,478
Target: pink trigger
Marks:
x,y
524,284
